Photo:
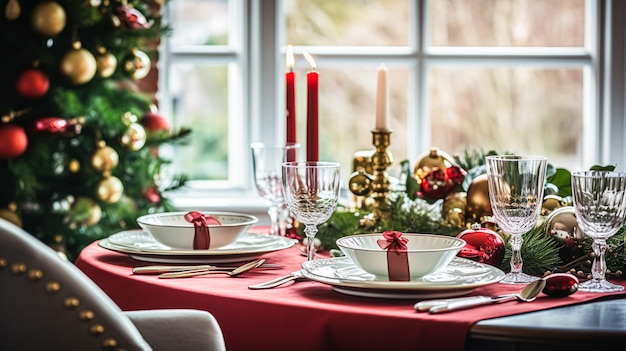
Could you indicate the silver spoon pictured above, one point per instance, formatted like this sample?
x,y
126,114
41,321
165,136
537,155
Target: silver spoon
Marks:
x,y
196,272
528,294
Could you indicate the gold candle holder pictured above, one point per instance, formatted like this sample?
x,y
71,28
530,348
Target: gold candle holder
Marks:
x,y
370,180
381,160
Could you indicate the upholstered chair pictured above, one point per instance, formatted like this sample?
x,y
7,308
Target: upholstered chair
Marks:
x,y
46,303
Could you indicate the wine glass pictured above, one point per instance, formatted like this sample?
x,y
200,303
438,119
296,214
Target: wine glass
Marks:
x,y
516,193
267,164
600,207
311,193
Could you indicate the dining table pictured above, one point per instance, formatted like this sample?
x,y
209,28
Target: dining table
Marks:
x,y
310,315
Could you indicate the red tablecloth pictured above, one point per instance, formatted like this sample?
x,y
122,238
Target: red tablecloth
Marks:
x,y
302,316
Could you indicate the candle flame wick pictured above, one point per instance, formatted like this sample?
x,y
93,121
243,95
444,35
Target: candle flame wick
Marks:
x,y
309,58
290,59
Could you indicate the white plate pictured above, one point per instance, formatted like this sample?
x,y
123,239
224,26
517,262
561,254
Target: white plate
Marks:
x,y
460,277
142,246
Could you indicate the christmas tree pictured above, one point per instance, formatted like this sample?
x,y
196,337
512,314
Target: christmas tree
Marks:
x,y
79,142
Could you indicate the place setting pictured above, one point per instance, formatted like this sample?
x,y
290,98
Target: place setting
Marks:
x,y
195,237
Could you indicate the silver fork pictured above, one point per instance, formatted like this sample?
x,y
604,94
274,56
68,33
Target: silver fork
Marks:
x,y
277,281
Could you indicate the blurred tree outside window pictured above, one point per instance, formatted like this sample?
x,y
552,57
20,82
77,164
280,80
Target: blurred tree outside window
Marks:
x,y
504,75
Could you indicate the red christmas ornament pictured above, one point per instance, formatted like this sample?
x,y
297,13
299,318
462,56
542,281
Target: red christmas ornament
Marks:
x,y
152,195
560,285
32,84
131,17
439,183
13,141
154,122
57,125
482,245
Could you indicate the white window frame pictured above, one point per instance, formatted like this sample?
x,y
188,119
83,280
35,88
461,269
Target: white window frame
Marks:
x,y
258,49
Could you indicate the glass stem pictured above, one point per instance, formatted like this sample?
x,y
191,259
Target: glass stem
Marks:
x,y
310,230
516,254
598,268
274,225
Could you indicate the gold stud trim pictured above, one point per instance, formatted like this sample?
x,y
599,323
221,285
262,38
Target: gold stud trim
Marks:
x,y
71,302
109,344
96,329
86,315
35,274
53,287
18,268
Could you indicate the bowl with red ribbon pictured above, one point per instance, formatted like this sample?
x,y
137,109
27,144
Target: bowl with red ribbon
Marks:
x,y
398,256
195,230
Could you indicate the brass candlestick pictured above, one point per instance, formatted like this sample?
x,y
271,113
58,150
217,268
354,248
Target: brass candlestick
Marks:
x,y
381,160
374,185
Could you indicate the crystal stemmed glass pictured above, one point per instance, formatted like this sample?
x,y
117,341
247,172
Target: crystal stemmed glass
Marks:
x,y
600,207
516,193
267,164
311,194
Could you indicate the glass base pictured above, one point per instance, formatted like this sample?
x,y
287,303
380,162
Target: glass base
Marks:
x,y
599,286
518,278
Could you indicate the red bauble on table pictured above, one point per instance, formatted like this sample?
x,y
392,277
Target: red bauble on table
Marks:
x,y
154,122
32,84
13,141
482,245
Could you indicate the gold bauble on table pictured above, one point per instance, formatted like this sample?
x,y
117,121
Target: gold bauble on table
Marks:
x,y
550,204
137,64
433,158
110,189
453,209
134,138
48,18
106,63
478,203
104,158
562,224
78,65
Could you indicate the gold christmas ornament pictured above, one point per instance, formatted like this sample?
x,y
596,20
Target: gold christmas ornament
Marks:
x,y
85,211
110,189
453,209
134,138
73,166
137,64
433,158
79,65
478,203
48,18
562,224
12,10
105,158
106,63
550,204
10,215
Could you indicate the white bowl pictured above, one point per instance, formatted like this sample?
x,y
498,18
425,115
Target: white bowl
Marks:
x,y
426,253
171,228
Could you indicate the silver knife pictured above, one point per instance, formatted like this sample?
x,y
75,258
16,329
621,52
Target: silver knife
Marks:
x,y
165,269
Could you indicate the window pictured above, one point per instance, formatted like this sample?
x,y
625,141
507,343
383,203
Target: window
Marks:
x,y
540,76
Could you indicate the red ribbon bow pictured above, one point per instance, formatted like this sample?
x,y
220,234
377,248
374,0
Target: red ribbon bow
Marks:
x,y
202,236
397,258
